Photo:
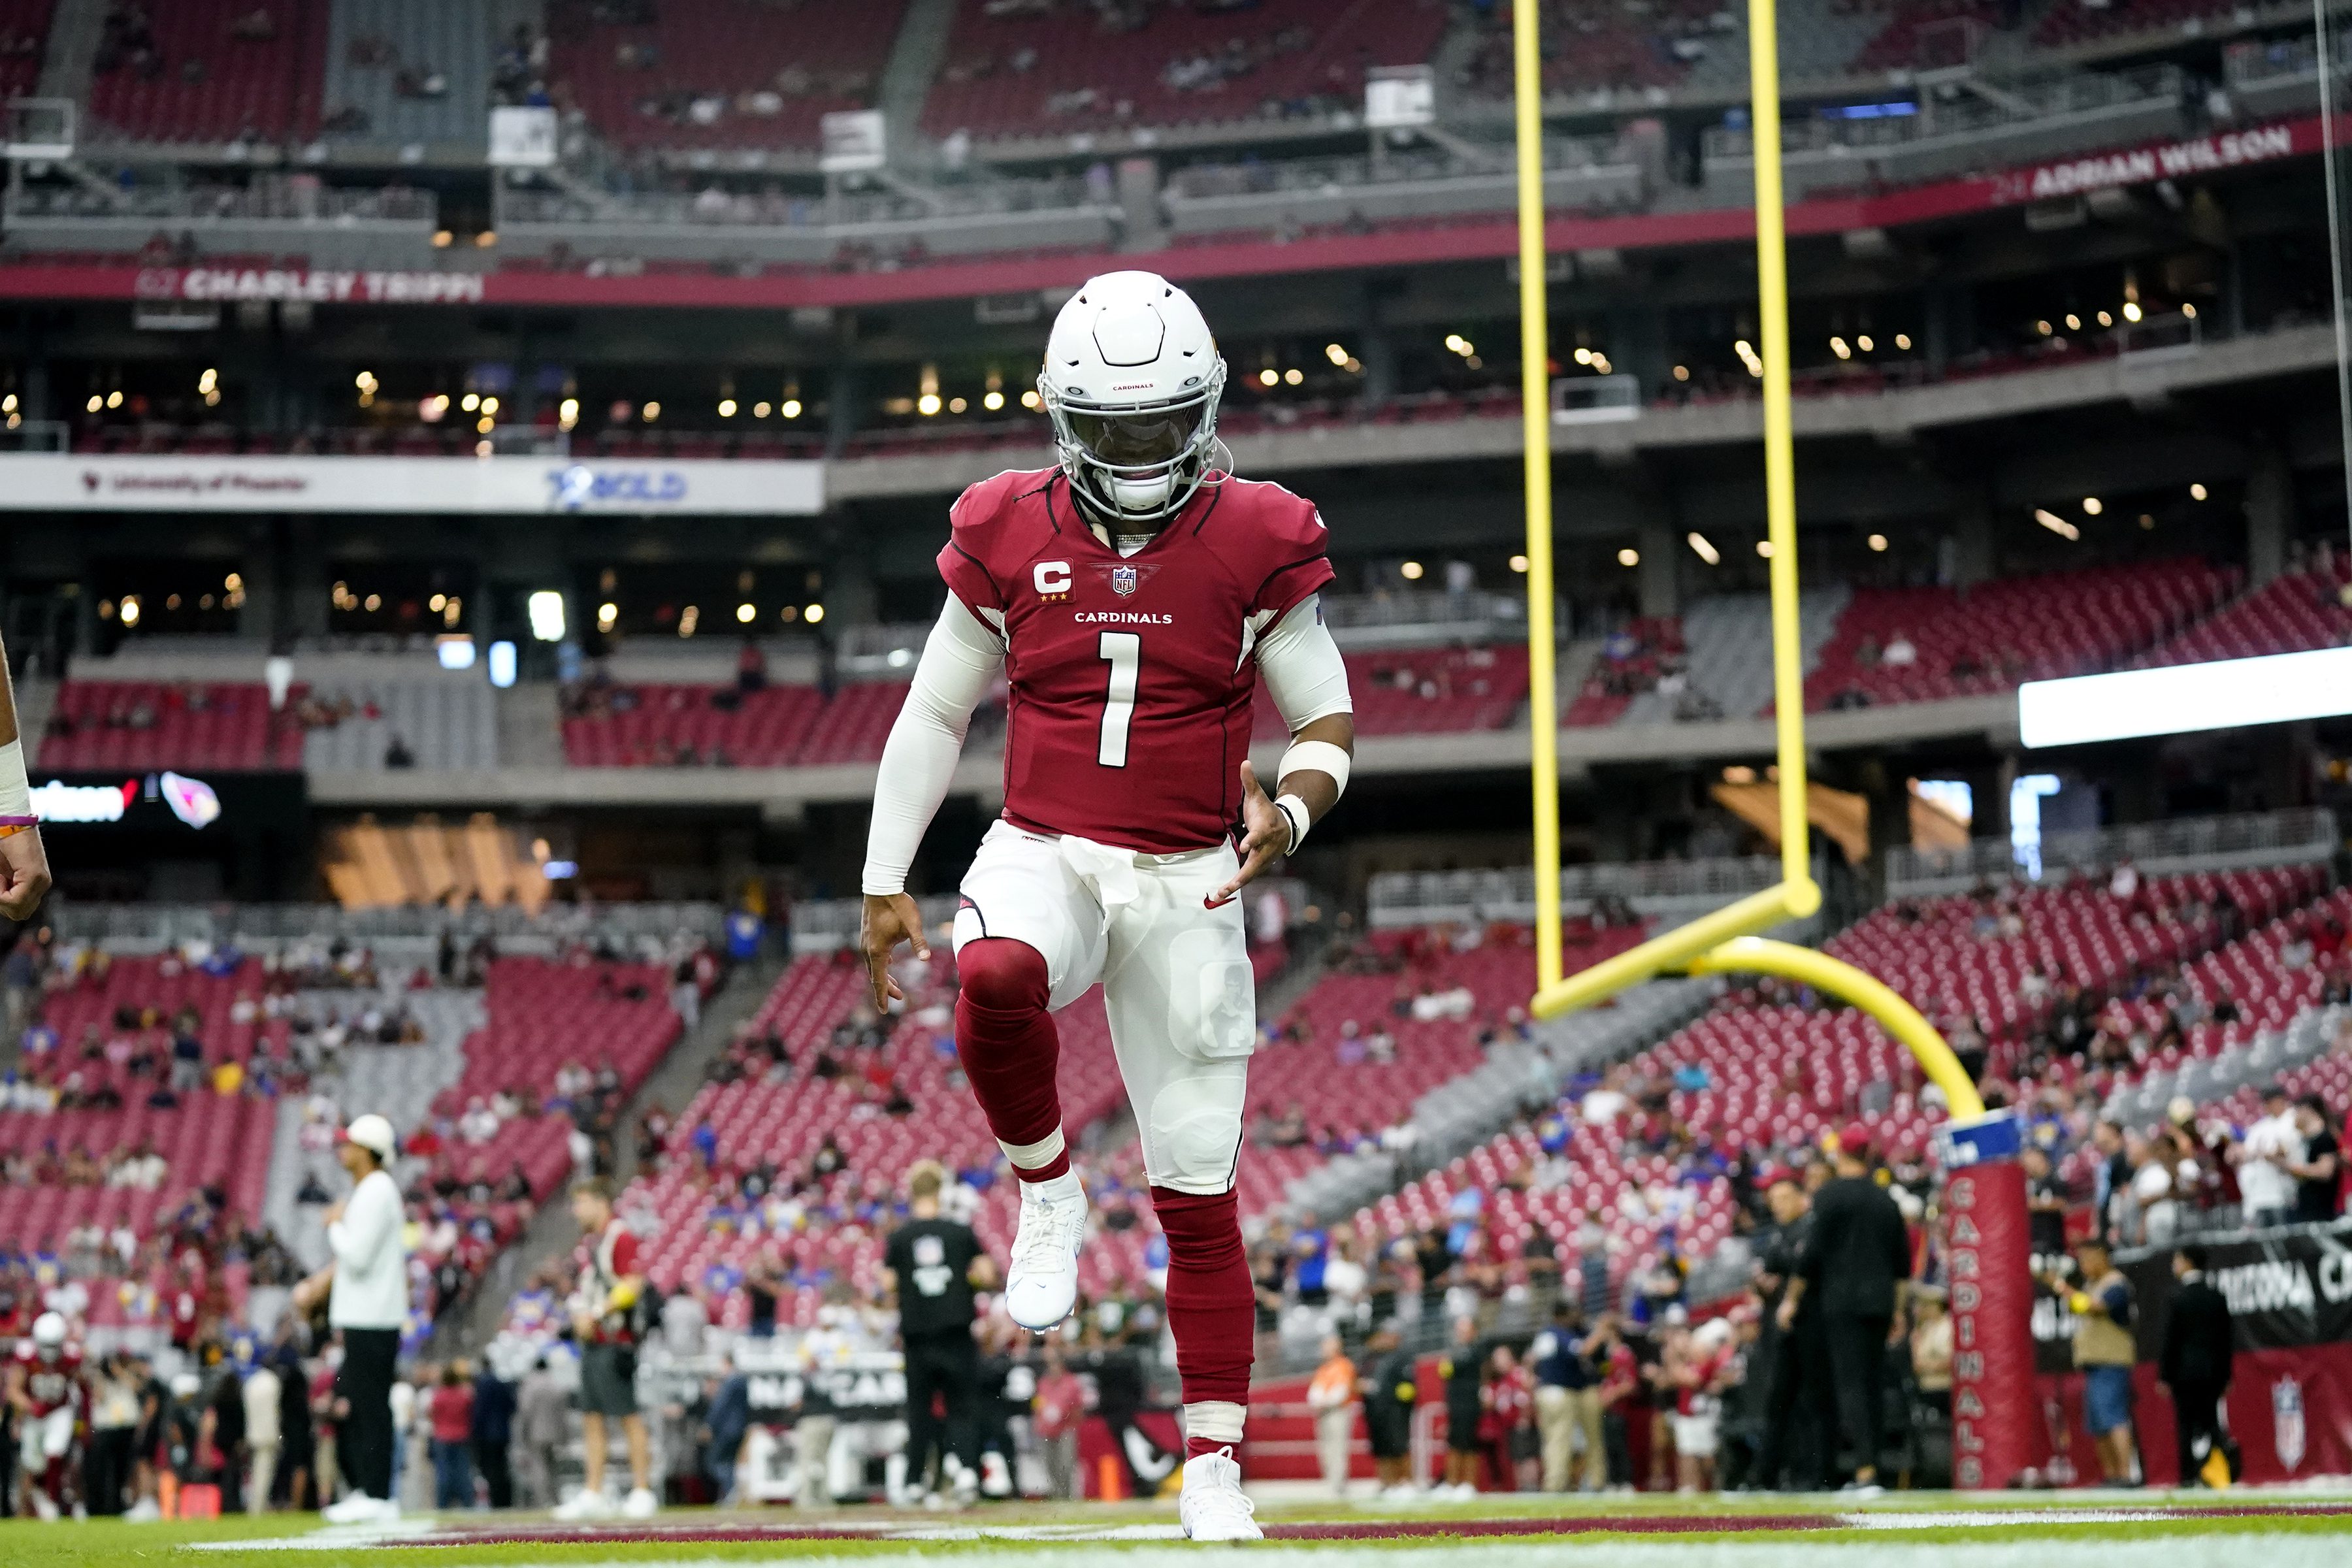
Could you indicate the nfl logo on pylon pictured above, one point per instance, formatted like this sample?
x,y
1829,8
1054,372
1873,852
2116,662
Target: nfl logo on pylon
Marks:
x,y
1122,581
2287,1422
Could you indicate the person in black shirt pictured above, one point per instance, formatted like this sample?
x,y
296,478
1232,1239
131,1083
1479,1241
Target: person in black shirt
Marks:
x,y
762,1281
2319,1179
1463,1368
1799,1413
1388,1398
933,1266
1856,1268
2195,1362
2045,1206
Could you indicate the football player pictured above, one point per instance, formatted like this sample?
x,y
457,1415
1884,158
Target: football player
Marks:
x,y
1132,595
47,1390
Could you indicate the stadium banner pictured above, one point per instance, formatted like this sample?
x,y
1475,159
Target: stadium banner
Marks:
x,y
2289,1406
518,486
1987,1256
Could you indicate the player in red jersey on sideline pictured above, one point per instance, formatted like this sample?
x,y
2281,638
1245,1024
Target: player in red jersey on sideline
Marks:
x,y
1132,596
47,1391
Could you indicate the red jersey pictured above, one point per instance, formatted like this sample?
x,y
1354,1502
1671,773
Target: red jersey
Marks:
x,y
50,1384
613,1259
1132,677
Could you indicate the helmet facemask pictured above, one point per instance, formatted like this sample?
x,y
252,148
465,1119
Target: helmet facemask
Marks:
x,y
1137,463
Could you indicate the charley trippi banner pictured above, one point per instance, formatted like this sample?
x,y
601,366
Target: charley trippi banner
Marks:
x,y
2289,1406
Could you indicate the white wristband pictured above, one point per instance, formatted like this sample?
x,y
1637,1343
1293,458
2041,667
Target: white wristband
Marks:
x,y
15,790
1321,756
1294,811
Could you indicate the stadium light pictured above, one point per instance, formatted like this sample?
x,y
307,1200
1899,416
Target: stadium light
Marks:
x,y
1877,543
2220,694
1629,557
546,607
502,663
2197,492
2092,506
1701,546
2056,524
455,652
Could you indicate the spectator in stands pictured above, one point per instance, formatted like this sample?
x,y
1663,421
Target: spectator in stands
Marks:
x,y
2264,1157
2101,1302
2195,1362
2319,1174
541,1428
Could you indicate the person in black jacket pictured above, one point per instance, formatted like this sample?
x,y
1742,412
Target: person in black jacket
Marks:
x,y
1800,1409
1856,1268
2194,1363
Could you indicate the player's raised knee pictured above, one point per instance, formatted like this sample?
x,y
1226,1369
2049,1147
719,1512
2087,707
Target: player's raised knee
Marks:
x,y
1002,975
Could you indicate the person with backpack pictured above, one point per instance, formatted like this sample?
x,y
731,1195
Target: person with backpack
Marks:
x,y
610,1312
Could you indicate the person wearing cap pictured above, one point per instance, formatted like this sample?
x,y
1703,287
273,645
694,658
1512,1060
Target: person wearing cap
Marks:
x,y
1856,1269
366,1285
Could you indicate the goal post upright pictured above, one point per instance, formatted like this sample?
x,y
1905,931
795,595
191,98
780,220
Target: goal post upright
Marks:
x,y
1535,394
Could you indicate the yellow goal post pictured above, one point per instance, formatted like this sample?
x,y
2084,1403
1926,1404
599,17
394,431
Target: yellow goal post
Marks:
x,y
1726,940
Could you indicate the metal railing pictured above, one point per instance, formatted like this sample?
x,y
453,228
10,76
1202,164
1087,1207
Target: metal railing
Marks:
x,y
279,200
260,925
1446,898
2295,836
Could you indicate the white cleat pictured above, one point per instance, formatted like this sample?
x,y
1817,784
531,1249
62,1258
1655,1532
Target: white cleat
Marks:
x,y
641,1503
1212,1506
356,1509
146,1510
583,1505
1043,1284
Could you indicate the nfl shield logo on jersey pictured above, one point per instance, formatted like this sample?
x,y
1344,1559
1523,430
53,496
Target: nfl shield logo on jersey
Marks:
x,y
1122,581
2287,1422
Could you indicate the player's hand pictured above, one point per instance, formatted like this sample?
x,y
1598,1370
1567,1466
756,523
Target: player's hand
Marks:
x,y
24,873
889,920
1265,840
1786,1316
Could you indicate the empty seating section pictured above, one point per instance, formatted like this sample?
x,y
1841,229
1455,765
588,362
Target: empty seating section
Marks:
x,y
101,724
205,1139
774,726
1422,691
1054,66
1344,1091
24,39
2289,614
543,1015
2074,22
1758,1073
717,73
1602,45
1946,644
1926,33
409,70
353,724
215,71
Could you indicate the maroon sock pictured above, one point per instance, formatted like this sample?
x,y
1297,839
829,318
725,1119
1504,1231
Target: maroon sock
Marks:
x,y
1006,1041
1196,1447
1212,1302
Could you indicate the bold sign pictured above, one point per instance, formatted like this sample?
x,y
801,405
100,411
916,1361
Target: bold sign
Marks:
x,y
2145,166
54,482
318,288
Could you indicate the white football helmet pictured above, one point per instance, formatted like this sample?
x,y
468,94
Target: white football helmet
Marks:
x,y
49,1333
1131,380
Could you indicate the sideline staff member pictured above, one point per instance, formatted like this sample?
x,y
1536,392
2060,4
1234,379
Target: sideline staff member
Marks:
x,y
933,1266
366,1282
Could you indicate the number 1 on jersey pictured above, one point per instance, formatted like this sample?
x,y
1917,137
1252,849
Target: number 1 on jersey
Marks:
x,y
1124,652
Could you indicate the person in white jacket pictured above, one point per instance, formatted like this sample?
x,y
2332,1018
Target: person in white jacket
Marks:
x,y
366,1285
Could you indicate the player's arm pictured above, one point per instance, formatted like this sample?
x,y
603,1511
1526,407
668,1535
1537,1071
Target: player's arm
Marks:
x,y
959,658
1308,682
24,864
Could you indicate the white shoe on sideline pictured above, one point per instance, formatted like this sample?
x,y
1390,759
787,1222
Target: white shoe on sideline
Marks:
x,y
1042,1285
357,1508
146,1510
1212,1506
45,1507
640,1504
584,1504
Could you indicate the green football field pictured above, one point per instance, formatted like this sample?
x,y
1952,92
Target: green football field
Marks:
x,y
2295,1530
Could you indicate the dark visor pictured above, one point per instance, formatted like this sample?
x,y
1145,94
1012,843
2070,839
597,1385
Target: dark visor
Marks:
x,y
1136,440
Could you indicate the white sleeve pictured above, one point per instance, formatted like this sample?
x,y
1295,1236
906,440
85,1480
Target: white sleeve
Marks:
x,y
1304,673
959,658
